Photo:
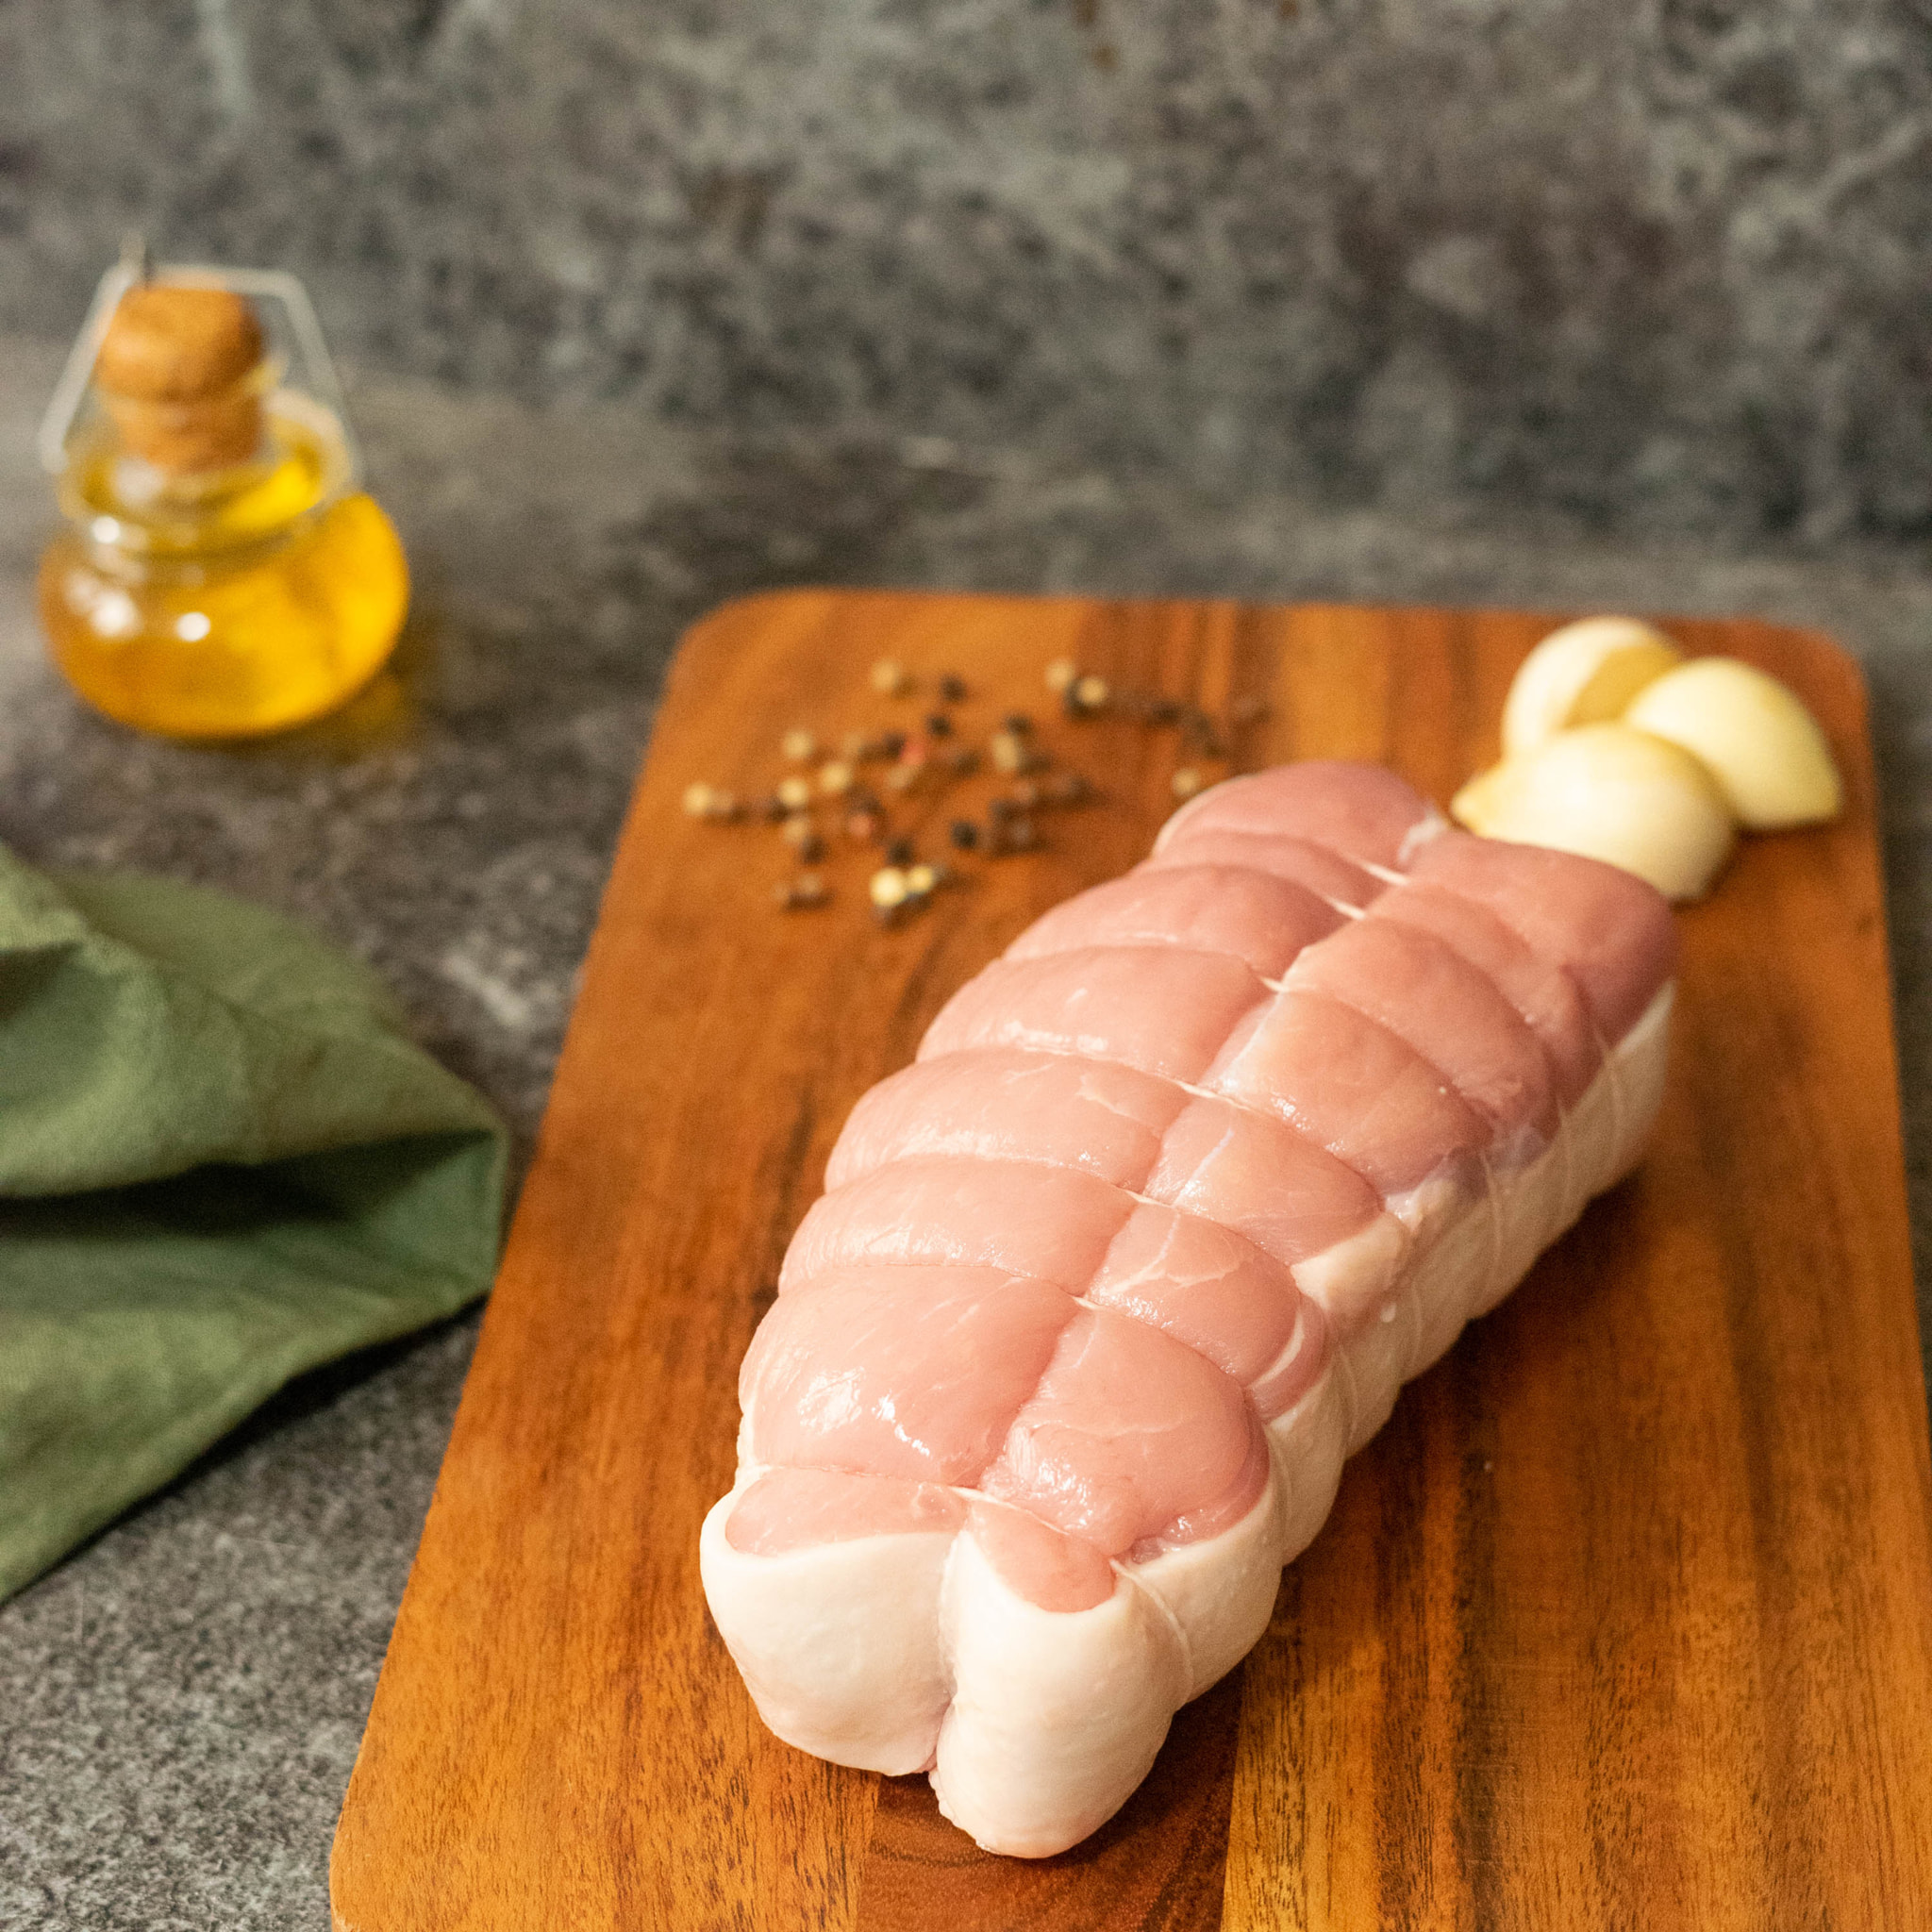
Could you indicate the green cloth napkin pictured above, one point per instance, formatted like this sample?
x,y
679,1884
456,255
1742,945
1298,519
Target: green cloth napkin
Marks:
x,y
222,1163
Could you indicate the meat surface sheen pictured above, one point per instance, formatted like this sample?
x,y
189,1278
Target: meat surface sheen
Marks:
x,y
1317,869
1164,1009
1449,1012
1542,994
1609,930
1064,1363
1362,812
1253,916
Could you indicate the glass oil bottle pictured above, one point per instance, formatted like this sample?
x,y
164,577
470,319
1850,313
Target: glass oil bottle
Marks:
x,y
222,574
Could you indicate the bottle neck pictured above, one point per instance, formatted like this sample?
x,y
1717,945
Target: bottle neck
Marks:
x,y
138,518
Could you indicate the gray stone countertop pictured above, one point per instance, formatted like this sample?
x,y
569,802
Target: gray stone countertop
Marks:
x,y
182,1699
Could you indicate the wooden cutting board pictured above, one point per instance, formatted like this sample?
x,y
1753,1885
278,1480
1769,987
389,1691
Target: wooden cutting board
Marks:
x,y
1625,1619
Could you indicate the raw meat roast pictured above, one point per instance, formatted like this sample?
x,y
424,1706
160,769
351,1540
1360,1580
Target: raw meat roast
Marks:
x,y
1106,1284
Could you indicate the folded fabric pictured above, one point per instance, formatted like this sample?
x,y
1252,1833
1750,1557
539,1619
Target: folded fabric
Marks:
x,y
221,1161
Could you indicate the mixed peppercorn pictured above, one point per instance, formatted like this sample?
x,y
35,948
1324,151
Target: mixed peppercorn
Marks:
x,y
850,790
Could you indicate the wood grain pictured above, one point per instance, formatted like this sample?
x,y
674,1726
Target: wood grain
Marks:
x,y
1624,1621
1157,1867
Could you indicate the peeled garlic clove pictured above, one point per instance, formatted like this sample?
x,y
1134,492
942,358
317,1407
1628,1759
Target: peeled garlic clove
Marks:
x,y
1488,798
1584,673
1613,792
1762,746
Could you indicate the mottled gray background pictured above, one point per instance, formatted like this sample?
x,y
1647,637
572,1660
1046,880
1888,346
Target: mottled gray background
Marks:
x,y
1532,302
1661,265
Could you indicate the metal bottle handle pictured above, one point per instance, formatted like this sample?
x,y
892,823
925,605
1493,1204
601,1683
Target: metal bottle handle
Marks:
x,y
274,284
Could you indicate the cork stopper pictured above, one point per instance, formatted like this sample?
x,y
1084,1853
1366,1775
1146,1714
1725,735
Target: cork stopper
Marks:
x,y
174,368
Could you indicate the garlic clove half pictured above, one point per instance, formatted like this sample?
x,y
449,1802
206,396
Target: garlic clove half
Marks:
x,y
1613,792
1489,799
1761,745
1584,673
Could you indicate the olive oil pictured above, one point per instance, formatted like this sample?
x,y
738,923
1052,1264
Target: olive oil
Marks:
x,y
218,578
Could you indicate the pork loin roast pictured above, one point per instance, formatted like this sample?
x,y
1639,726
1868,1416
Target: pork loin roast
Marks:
x,y
1106,1285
